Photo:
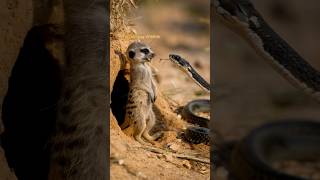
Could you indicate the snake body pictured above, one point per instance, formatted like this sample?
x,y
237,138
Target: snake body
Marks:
x,y
241,17
251,158
195,135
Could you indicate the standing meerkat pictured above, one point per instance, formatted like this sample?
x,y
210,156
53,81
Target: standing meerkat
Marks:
x,y
142,93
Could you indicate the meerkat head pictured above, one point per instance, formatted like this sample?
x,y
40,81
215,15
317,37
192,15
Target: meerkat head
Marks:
x,y
139,52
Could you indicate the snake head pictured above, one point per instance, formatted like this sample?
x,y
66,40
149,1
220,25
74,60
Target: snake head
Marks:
x,y
179,61
236,12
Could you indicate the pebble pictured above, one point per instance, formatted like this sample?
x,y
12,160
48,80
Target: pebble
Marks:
x,y
150,155
173,146
121,161
169,158
141,175
159,156
186,164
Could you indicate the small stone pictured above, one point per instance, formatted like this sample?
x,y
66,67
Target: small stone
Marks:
x,y
133,31
174,147
150,155
204,172
169,157
159,156
121,161
186,164
141,175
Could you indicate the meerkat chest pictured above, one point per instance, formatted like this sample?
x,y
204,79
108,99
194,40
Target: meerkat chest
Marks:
x,y
141,74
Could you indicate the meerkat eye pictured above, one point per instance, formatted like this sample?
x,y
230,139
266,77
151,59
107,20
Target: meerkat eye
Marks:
x,y
145,51
131,54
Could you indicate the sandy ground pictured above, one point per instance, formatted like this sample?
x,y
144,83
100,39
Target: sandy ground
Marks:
x,y
249,92
173,27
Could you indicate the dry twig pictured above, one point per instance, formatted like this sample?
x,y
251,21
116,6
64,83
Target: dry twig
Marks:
x,y
178,155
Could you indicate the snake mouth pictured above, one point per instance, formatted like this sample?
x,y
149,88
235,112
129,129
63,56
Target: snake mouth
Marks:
x,y
179,61
187,68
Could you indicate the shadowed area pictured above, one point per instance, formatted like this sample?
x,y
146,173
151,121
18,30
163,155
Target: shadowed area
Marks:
x,y
29,107
119,96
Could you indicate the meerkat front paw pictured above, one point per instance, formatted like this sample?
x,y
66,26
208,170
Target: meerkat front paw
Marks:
x,y
152,97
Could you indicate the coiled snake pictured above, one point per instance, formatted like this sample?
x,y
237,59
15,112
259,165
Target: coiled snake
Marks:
x,y
251,158
200,134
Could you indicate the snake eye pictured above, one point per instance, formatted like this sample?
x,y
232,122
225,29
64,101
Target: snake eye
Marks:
x,y
145,51
176,57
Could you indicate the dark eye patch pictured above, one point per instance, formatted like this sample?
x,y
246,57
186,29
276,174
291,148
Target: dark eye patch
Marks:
x,y
145,51
131,54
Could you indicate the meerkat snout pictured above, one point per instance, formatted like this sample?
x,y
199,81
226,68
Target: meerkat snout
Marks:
x,y
139,52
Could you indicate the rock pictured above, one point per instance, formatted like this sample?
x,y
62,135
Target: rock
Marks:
x,y
173,146
150,155
186,164
169,158
121,161
159,156
141,175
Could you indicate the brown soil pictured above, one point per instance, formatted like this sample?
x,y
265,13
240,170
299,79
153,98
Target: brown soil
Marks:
x,y
130,159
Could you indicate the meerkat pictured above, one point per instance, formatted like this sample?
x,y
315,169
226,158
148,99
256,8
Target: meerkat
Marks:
x,y
142,93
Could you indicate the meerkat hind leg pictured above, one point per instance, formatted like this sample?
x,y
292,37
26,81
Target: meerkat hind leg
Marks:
x,y
150,123
139,128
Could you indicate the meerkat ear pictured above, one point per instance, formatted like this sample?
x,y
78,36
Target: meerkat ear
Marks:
x,y
131,54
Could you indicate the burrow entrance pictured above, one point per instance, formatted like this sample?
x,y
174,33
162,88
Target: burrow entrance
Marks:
x,y
119,96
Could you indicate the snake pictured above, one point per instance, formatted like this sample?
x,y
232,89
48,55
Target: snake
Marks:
x,y
251,157
194,134
241,17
